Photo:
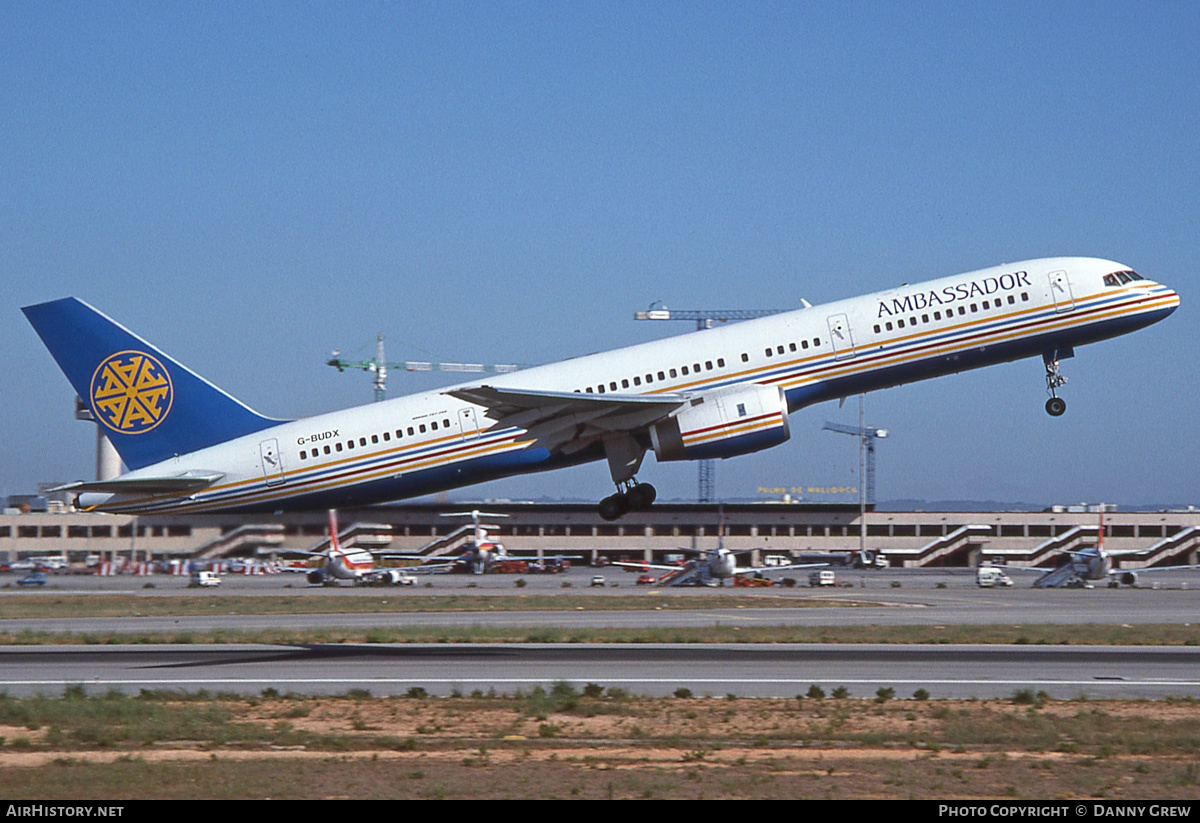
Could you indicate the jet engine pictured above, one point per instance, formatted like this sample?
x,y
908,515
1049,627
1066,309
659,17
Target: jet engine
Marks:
x,y
316,577
723,423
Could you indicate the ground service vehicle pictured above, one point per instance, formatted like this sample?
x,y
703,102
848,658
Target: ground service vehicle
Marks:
x,y
988,577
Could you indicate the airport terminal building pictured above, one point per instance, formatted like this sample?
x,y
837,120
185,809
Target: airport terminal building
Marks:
x,y
795,531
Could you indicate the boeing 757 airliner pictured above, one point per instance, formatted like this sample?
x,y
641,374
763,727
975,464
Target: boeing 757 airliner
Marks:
x,y
716,393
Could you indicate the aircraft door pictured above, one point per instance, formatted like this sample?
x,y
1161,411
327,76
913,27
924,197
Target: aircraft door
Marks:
x,y
1060,290
841,337
272,463
468,423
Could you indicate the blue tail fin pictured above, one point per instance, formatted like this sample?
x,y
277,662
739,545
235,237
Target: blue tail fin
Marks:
x,y
150,407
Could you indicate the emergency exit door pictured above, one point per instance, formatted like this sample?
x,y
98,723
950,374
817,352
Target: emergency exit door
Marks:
x,y
840,336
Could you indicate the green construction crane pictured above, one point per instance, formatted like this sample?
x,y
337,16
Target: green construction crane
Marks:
x,y
380,365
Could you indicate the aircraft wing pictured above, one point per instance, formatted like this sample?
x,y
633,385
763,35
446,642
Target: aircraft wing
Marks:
x,y
1144,553
646,566
176,484
431,568
1118,555
570,421
444,564
772,569
1149,569
413,571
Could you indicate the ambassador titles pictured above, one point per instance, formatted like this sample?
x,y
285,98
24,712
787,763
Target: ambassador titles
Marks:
x,y
953,294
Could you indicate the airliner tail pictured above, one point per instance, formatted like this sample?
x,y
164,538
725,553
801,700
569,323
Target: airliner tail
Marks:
x,y
150,406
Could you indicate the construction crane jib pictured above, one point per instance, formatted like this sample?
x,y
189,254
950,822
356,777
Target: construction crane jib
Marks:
x,y
379,364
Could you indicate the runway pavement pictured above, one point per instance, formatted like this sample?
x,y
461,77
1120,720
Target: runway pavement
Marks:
x,y
706,670
931,598
893,597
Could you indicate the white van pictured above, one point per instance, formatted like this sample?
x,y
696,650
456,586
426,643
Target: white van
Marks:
x,y
822,578
988,577
50,562
206,579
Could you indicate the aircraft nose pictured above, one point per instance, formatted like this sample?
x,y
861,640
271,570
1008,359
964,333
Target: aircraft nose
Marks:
x,y
1170,300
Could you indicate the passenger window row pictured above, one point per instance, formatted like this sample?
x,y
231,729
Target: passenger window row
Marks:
x,y
973,308
791,347
650,377
386,437
695,368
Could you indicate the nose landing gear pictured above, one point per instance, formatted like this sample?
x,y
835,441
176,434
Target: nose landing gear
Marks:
x,y
1055,406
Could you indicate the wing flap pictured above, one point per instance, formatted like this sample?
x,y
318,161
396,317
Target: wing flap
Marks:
x,y
502,403
570,421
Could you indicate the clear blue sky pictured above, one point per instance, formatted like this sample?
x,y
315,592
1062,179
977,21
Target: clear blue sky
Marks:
x,y
249,185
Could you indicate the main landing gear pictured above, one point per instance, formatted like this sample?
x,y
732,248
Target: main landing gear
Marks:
x,y
1055,406
625,455
631,496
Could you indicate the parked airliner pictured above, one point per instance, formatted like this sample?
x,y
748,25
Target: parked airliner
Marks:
x,y
716,393
356,565
714,566
1094,564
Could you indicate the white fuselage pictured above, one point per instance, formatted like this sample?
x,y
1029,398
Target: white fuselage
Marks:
x,y
722,563
431,441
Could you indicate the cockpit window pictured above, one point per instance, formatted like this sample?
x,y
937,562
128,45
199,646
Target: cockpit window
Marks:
x,y
1121,277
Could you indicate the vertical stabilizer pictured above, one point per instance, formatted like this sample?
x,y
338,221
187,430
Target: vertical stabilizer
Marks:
x,y
335,548
149,406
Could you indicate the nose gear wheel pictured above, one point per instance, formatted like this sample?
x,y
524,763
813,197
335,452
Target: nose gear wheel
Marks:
x,y
1055,406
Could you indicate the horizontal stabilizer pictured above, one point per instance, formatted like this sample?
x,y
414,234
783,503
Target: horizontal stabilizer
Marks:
x,y
179,484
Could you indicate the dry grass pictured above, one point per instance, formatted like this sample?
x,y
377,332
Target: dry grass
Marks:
x,y
69,604
1052,635
561,743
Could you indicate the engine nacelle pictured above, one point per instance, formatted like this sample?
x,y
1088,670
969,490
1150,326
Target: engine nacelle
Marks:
x,y
316,577
1128,578
724,424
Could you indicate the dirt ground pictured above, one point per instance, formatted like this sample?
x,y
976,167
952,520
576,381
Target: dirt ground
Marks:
x,y
579,747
